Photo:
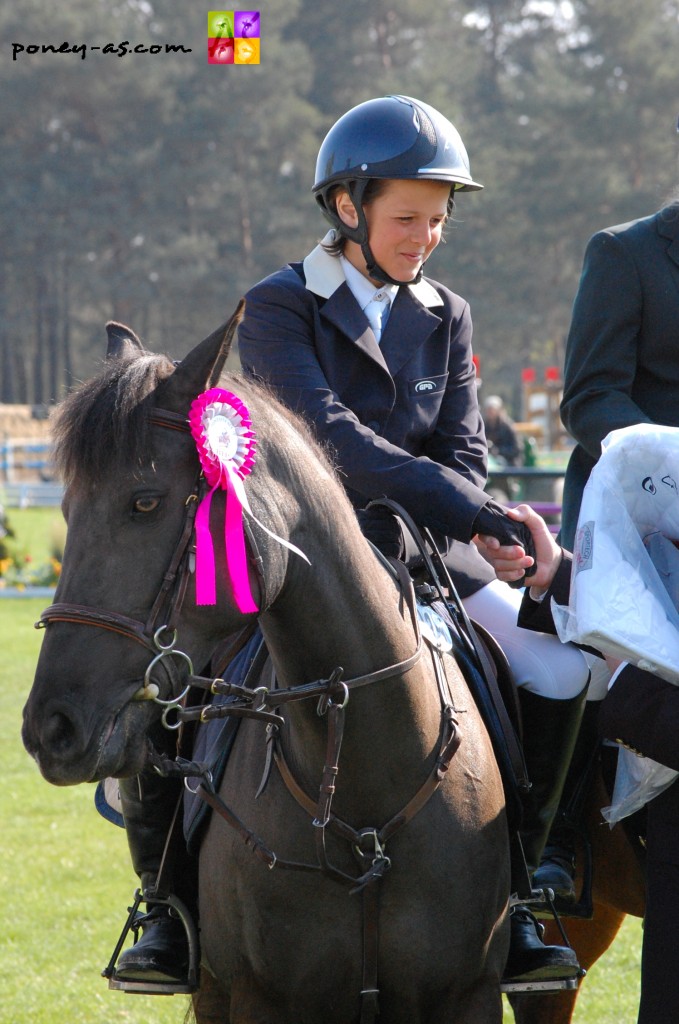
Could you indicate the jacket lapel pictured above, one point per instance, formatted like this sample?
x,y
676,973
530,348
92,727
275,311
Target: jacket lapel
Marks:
x,y
324,277
408,327
346,316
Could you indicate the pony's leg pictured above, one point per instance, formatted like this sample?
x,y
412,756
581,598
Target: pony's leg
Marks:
x,y
210,1003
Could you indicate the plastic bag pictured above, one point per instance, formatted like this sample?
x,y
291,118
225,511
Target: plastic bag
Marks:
x,y
624,580
637,780
618,602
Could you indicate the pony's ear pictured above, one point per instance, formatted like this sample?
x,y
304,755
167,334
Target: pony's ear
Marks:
x,y
122,342
201,368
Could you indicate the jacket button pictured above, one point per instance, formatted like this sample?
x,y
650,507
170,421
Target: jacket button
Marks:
x,y
374,426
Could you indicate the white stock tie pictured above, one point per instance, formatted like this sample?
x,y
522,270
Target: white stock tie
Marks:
x,y
377,312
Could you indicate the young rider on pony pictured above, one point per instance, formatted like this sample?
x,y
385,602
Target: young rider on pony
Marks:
x,y
395,397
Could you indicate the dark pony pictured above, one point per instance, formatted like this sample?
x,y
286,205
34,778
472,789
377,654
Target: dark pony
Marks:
x,y
388,865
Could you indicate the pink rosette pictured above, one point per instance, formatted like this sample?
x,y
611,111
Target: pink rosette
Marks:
x,y
220,426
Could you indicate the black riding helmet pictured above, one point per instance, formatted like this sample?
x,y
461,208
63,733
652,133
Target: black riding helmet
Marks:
x,y
390,137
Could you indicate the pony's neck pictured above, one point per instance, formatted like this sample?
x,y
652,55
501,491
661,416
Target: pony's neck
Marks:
x,y
345,609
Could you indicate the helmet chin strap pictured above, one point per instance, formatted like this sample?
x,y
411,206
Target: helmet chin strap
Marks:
x,y
375,270
359,234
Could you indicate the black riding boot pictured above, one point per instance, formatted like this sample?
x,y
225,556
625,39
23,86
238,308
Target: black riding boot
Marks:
x,y
557,867
549,731
162,952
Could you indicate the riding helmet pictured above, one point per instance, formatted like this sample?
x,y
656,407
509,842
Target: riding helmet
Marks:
x,y
391,137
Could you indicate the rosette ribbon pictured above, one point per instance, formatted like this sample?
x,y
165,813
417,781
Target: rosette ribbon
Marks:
x,y
221,427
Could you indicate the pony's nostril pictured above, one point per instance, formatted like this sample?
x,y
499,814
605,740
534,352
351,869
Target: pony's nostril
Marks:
x,y
59,733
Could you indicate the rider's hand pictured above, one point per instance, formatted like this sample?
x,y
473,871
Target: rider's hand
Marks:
x,y
510,561
383,529
493,520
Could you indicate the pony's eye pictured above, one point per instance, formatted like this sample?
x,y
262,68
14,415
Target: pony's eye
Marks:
x,y
146,504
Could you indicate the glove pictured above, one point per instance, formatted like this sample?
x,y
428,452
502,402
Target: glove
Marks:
x,y
381,527
492,519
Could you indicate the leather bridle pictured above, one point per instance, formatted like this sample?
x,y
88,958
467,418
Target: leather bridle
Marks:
x,y
158,634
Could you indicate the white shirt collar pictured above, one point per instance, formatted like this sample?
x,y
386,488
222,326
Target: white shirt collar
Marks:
x,y
363,289
324,275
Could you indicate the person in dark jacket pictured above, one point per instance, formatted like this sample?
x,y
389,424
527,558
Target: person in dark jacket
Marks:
x,y
640,712
621,368
622,357
501,435
378,358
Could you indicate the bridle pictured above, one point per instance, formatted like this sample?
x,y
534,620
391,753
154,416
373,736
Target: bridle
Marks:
x,y
158,634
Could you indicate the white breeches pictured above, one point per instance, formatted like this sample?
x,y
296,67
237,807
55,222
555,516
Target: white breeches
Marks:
x,y
538,661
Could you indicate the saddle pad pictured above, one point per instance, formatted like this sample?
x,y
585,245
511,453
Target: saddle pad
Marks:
x,y
214,742
107,801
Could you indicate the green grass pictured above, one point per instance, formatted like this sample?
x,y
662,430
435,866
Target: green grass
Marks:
x,y
66,881
65,875
39,532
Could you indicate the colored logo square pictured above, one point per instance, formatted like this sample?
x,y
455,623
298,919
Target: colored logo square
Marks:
x,y
220,25
246,24
246,51
220,51
233,37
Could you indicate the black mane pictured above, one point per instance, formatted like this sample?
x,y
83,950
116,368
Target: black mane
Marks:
x,y
103,424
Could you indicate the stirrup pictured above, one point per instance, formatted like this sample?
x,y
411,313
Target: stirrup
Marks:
x,y
552,985
542,904
186,985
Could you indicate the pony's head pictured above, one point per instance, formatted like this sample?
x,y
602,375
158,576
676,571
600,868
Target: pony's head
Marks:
x,y
132,485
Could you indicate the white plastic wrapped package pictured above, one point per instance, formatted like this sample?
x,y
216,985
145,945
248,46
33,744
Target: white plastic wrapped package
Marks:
x,y
637,780
619,603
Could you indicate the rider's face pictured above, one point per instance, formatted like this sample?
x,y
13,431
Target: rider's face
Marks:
x,y
405,222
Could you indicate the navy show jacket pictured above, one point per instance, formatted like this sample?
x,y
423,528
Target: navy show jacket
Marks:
x,y
402,417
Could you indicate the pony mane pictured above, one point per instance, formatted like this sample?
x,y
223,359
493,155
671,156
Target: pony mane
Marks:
x,y
103,424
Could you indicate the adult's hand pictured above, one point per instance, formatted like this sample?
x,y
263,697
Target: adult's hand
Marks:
x,y
510,562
